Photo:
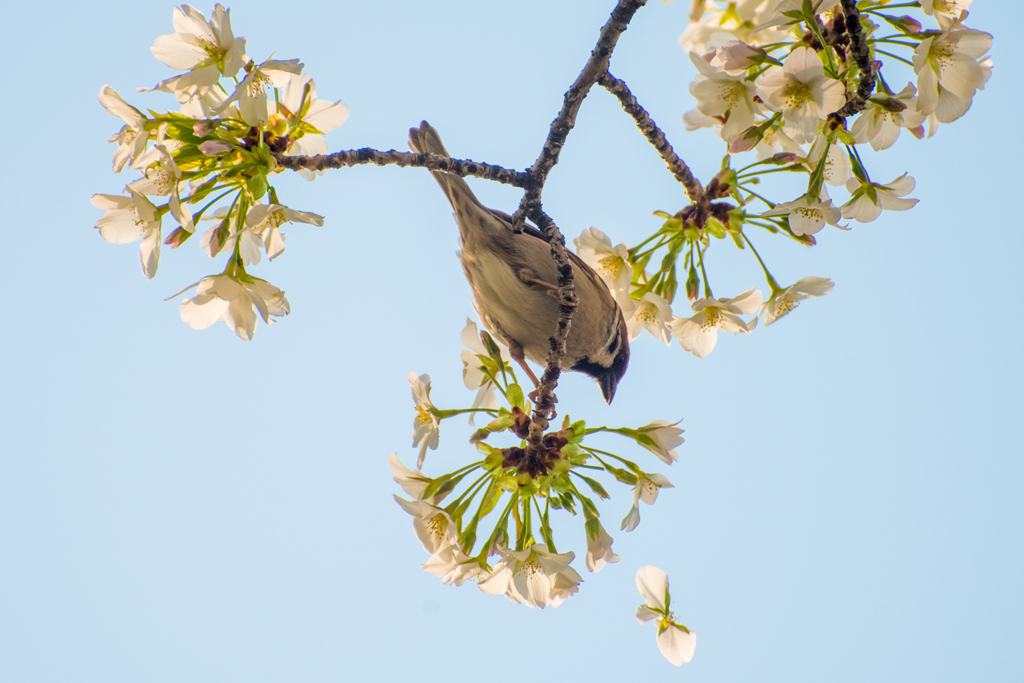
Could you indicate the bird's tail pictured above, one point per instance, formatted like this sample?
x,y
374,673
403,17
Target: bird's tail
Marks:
x,y
425,140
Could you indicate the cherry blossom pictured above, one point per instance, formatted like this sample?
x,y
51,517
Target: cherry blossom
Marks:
x,y
675,641
699,333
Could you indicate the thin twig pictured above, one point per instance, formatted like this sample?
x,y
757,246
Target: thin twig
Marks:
x,y
357,157
653,134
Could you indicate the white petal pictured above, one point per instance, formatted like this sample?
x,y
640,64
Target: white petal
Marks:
x,y
677,645
652,583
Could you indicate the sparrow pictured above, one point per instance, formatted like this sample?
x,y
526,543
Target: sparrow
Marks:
x,y
514,283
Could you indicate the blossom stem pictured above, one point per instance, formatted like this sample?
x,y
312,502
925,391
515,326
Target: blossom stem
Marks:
x,y
875,10
771,281
788,169
501,524
893,42
816,29
771,204
198,214
707,284
497,384
595,451
469,494
545,528
897,57
859,161
633,250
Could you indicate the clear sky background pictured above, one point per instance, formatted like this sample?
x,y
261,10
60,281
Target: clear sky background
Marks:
x,y
184,506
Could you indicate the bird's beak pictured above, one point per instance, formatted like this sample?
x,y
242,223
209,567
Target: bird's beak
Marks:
x,y
608,384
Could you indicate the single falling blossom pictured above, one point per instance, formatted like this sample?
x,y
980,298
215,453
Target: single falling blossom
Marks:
x,y
661,438
948,71
235,301
132,138
868,199
425,429
783,301
129,218
880,123
647,486
599,546
652,313
806,217
675,641
801,91
699,333
434,527
205,49
611,263
473,365
533,576
721,95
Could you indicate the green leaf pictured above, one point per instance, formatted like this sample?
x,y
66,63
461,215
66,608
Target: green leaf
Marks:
x,y
595,486
258,186
516,397
467,539
715,227
490,500
567,502
623,475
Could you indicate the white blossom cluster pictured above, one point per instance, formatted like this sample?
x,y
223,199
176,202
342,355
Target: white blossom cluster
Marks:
x,y
218,149
773,77
520,563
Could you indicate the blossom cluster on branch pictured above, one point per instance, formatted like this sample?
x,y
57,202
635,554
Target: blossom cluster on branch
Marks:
x,y
785,80
217,152
518,557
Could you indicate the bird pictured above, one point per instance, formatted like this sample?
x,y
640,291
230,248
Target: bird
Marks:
x,y
513,279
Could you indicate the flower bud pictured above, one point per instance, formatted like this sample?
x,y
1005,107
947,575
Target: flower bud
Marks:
x,y
203,128
692,284
889,103
905,24
212,148
177,238
745,141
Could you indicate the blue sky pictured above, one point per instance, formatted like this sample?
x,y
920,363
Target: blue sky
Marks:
x,y
182,505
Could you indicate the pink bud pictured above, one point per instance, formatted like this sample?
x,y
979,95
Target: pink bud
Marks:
x,y
212,148
202,128
177,238
745,141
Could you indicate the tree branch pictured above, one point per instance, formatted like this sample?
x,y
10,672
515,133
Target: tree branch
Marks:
x,y
567,303
653,134
357,157
566,119
862,55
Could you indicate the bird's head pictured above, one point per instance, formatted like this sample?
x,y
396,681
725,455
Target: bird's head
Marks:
x,y
609,363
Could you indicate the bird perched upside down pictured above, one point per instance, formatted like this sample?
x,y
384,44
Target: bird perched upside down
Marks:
x,y
514,282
